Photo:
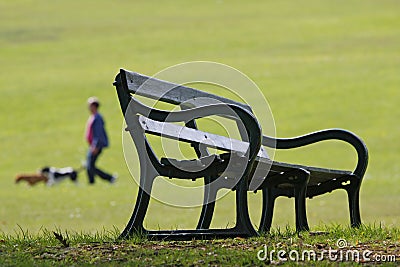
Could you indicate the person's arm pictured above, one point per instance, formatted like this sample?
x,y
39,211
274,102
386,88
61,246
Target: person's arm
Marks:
x,y
97,142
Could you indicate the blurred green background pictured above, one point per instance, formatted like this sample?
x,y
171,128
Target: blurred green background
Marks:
x,y
319,64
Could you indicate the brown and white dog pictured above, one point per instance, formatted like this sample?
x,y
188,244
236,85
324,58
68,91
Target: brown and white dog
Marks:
x,y
49,175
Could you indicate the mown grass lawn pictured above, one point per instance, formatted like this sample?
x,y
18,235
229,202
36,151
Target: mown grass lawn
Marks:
x,y
370,244
319,64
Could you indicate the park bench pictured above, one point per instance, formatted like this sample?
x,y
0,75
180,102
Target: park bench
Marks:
x,y
243,165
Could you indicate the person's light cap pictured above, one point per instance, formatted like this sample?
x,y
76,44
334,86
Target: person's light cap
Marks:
x,y
92,100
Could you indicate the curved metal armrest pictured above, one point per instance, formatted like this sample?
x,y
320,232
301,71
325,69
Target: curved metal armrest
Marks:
x,y
232,111
329,134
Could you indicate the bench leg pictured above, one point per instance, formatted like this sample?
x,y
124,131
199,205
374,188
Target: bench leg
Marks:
x,y
135,224
299,178
207,211
267,210
353,194
300,190
243,222
242,228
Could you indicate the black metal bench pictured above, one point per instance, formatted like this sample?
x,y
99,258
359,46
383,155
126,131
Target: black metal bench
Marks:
x,y
244,162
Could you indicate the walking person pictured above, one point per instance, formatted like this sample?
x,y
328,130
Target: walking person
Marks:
x,y
97,138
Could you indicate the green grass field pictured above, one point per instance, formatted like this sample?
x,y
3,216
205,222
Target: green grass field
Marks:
x,y
102,249
319,64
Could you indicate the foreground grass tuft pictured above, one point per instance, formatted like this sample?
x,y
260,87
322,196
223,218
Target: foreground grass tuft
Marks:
x,y
103,248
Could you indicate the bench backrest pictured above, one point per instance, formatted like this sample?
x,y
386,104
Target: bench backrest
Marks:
x,y
186,97
171,93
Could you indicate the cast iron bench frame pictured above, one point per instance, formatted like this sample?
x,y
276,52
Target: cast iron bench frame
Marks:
x,y
283,179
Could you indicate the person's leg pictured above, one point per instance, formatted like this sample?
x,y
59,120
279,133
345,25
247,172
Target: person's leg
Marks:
x,y
90,166
103,175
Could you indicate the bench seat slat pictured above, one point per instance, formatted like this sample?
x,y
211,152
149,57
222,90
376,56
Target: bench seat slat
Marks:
x,y
317,175
177,132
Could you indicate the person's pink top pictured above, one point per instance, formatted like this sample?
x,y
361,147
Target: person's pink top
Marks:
x,y
89,129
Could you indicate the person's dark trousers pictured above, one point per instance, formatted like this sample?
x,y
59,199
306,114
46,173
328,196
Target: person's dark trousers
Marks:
x,y
92,170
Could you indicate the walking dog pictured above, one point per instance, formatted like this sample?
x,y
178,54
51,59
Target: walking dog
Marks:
x,y
49,175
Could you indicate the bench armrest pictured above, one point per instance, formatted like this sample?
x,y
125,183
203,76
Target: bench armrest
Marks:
x,y
329,134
